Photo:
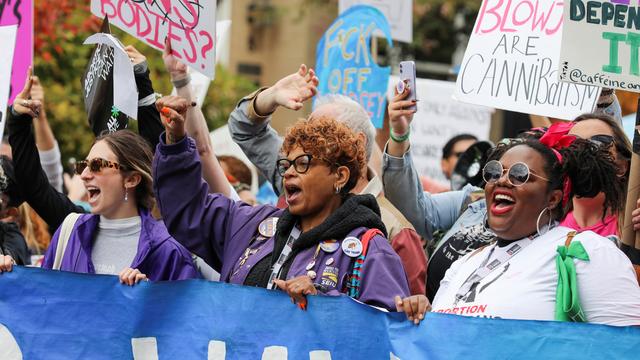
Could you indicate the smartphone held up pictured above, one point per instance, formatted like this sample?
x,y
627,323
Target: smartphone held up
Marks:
x,y
408,79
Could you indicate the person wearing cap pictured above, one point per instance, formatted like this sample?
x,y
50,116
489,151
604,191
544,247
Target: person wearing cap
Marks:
x,y
327,241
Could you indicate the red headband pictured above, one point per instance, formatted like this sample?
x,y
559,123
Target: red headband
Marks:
x,y
555,138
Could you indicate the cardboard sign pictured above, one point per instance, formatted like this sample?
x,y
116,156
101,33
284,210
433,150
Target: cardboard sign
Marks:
x,y
7,46
190,25
344,63
48,314
511,61
399,14
439,118
19,13
612,31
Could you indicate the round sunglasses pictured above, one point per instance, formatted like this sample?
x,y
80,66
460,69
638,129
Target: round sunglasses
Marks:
x,y
517,175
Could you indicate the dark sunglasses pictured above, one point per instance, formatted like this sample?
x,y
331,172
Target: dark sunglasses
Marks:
x,y
518,174
300,164
95,165
608,140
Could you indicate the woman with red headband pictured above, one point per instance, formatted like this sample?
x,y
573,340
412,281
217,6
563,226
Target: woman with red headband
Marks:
x,y
536,269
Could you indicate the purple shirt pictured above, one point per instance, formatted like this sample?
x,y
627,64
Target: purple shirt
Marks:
x,y
220,230
159,256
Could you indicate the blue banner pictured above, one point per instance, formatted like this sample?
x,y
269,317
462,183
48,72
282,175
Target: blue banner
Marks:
x,y
344,64
58,315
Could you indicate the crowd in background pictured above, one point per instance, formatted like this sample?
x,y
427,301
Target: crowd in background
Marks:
x,y
538,238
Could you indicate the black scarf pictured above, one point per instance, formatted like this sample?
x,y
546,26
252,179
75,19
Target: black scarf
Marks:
x,y
356,211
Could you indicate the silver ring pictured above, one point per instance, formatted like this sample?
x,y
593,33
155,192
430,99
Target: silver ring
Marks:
x,y
25,103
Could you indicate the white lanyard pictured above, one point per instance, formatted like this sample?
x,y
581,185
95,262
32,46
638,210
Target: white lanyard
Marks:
x,y
284,255
487,267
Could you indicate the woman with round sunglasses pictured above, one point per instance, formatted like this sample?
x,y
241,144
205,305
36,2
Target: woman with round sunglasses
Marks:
x,y
326,241
120,237
536,269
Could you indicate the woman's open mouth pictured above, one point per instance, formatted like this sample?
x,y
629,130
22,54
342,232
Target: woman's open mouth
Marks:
x,y
94,194
502,203
292,193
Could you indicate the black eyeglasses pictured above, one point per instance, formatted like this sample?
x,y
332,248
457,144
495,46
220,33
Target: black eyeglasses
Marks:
x,y
518,173
301,164
95,165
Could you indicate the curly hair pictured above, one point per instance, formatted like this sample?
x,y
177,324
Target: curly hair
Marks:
x,y
590,168
327,139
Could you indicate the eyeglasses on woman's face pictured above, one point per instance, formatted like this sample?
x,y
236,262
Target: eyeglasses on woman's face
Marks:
x,y
95,165
517,175
300,164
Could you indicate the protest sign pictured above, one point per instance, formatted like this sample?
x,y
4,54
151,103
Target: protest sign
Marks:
x,y
439,118
190,25
200,83
19,13
612,31
511,61
344,64
7,46
48,314
97,90
399,14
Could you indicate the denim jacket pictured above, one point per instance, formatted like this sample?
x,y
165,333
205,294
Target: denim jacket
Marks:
x,y
465,231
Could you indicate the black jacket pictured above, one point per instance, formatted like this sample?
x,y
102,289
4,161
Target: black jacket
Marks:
x,y
12,243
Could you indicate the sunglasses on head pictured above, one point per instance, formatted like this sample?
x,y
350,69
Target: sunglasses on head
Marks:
x,y
608,140
95,165
517,175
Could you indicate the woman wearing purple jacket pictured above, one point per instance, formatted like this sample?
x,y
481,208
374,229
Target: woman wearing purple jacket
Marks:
x,y
323,243
120,237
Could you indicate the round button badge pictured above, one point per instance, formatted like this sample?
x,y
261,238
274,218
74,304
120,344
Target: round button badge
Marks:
x,y
352,246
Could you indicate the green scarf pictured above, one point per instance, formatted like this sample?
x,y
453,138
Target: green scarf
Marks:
x,y
567,297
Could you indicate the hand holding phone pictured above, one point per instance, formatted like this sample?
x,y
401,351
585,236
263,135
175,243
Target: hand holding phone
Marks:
x,y
408,80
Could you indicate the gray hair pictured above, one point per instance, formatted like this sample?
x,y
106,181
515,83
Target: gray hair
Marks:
x,y
351,114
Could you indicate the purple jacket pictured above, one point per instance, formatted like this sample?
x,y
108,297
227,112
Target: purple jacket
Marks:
x,y
220,230
159,256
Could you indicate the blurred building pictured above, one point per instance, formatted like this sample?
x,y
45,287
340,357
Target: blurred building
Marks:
x,y
269,39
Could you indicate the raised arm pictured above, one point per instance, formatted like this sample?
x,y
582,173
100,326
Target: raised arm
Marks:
x,y
50,204
204,223
249,122
402,186
45,141
196,125
149,125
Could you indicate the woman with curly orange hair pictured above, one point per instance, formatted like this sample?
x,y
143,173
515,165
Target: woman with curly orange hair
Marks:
x,y
327,241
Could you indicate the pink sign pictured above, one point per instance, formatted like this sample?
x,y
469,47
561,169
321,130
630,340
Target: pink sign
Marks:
x,y
19,13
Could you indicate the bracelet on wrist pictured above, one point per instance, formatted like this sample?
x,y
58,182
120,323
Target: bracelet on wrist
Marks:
x,y
399,138
182,82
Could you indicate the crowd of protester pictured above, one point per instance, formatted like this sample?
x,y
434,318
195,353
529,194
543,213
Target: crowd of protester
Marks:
x,y
540,240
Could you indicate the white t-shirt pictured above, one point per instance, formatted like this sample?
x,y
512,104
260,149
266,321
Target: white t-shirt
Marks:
x,y
524,287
